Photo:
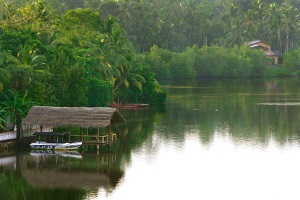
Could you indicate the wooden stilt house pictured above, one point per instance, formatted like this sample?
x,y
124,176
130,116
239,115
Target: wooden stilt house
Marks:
x,y
81,117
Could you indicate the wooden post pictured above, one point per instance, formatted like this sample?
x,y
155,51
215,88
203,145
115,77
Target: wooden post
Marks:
x,y
97,138
109,138
82,146
69,139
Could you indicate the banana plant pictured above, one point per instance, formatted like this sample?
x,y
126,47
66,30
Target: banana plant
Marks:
x,y
16,107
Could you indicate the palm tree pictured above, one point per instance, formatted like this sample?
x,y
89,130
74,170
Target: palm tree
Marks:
x,y
21,66
16,107
250,20
290,21
117,44
106,58
276,22
125,13
29,57
129,76
236,34
261,24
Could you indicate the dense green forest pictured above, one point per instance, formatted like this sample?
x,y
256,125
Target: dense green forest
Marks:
x,y
177,24
75,58
92,52
173,31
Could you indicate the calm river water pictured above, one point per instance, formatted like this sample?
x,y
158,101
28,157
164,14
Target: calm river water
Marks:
x,y
214,139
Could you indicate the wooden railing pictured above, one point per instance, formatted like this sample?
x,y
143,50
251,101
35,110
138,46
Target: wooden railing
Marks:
x,y
103,139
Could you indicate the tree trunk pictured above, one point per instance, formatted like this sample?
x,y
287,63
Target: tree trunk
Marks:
x,y
18,124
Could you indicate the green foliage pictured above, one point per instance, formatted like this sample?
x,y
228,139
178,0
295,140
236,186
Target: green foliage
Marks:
x,y
212,61
13,186
39,87
2,120
68,83
278,71
99,93
292,60
181,64
10,40
4,78
151,93
175,25
15,106
257,60
172,25
56,58
63,60
20,77
158,60
79,27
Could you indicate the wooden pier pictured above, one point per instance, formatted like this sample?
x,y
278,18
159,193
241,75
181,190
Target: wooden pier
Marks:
x,y
104,140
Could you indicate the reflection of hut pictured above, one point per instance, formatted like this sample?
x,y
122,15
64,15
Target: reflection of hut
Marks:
x,y
52,179
82,117
57,171
258,44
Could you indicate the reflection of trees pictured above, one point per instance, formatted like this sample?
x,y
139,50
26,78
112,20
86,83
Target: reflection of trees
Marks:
x,y
139,127
12,186
229,107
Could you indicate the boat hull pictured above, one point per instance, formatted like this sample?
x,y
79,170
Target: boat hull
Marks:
x,y
56,146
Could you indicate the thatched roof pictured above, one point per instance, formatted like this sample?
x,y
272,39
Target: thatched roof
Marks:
x,y
85,117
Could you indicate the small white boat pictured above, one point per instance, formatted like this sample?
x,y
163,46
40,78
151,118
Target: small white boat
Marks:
x,y
55,146
64,146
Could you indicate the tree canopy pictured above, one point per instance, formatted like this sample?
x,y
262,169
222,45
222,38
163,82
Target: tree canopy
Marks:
x,y
75,58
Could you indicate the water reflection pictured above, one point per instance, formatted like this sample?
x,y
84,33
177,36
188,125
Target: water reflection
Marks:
x,y
56,173
233,107
214,139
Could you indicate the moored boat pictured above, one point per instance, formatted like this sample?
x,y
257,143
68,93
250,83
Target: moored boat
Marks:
x,y
64,146
73,154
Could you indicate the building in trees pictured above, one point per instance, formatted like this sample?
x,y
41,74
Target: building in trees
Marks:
x,y
274,54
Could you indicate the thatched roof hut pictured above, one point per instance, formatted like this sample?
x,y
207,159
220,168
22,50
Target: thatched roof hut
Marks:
x,y
84,117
